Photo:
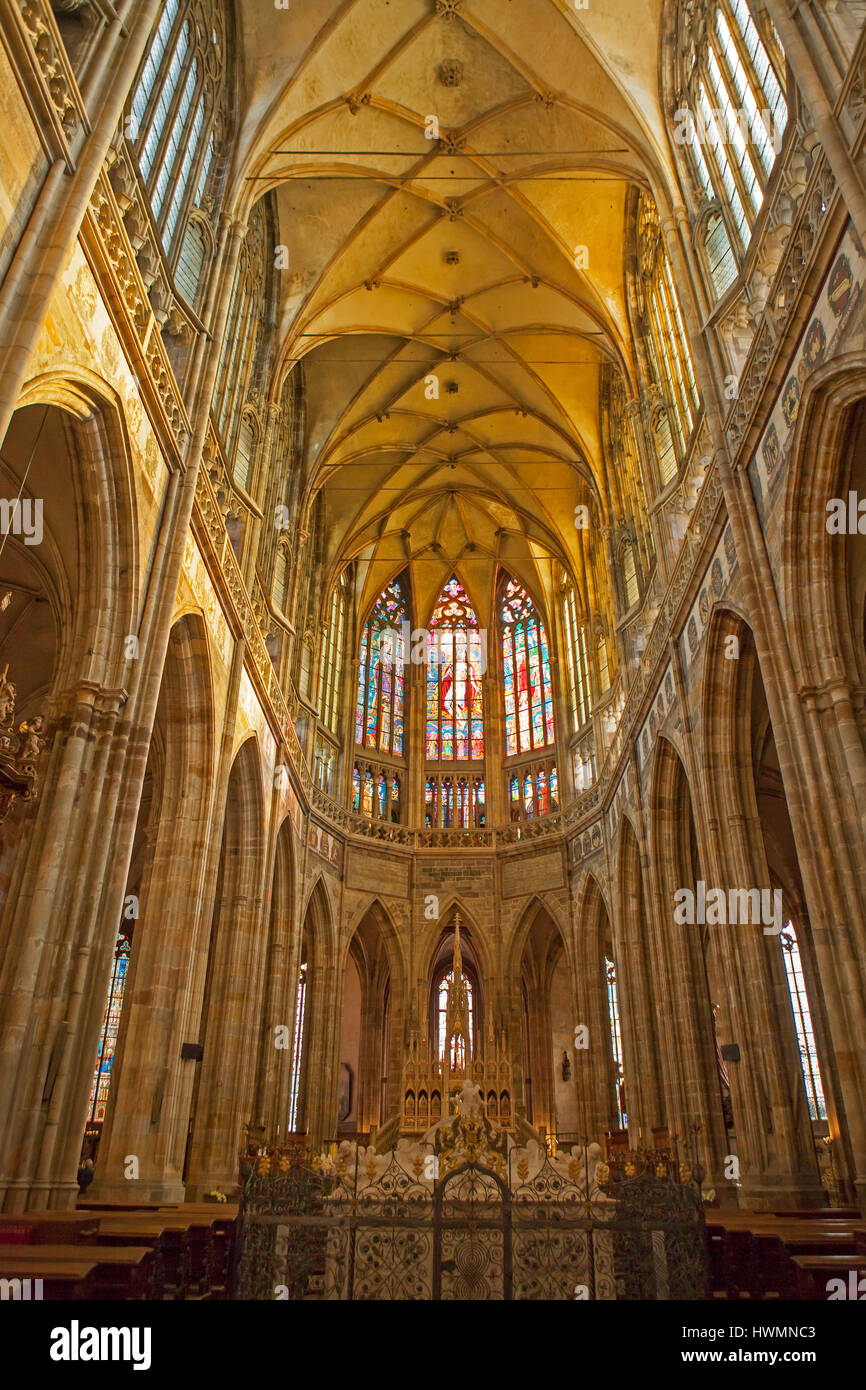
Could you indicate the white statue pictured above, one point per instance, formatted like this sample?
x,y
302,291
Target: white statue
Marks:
x,y
470,1100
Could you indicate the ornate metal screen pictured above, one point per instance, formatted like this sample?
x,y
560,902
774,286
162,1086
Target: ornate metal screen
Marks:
x,y
309,1234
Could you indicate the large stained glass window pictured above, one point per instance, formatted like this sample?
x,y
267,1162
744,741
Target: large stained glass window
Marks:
x,y
110,1026
526,673
803,1023
456,660
380,709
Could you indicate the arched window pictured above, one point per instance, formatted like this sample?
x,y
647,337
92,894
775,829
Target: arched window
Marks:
x,y
615,1040
174,107
379,712
718,254
191,262
244,326
578,665
803,1023
526,673
664,333
243,466
664,446
455,666
331,658
732,118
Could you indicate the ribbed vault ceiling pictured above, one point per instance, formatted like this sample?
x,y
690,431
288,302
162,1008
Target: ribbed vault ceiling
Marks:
x,y
453,257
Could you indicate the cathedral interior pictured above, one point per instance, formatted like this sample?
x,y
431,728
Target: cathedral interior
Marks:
x,y
438,750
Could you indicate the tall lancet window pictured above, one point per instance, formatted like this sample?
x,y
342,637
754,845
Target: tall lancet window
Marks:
x,y
615,1040
110,1027
803,1024
456,662
526,673
331,658
295,1099
380,708
665,336
578,662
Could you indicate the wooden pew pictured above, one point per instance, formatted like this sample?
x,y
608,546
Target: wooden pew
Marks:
x,y
62,1280
120,1273
47,1227
813,1272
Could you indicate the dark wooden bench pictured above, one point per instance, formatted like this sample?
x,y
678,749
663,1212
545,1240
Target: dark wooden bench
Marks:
x,y
814,1271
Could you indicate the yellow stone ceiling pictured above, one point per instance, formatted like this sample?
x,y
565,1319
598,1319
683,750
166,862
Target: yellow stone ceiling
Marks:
x,y
457,258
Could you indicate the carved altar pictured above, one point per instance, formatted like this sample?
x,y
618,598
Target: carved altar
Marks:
x,y
431,1084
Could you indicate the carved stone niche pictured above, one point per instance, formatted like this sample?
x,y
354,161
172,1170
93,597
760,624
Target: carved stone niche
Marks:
x,y
451,72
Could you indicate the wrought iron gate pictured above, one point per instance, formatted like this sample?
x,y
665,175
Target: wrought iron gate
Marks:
x,y
309,1234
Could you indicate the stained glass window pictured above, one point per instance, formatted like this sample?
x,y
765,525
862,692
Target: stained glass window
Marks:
x,y
454,802
803,1024
455,666
356,788
526,673
616,1041
110,1026
297,1050
458,1051
380,708
368,793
